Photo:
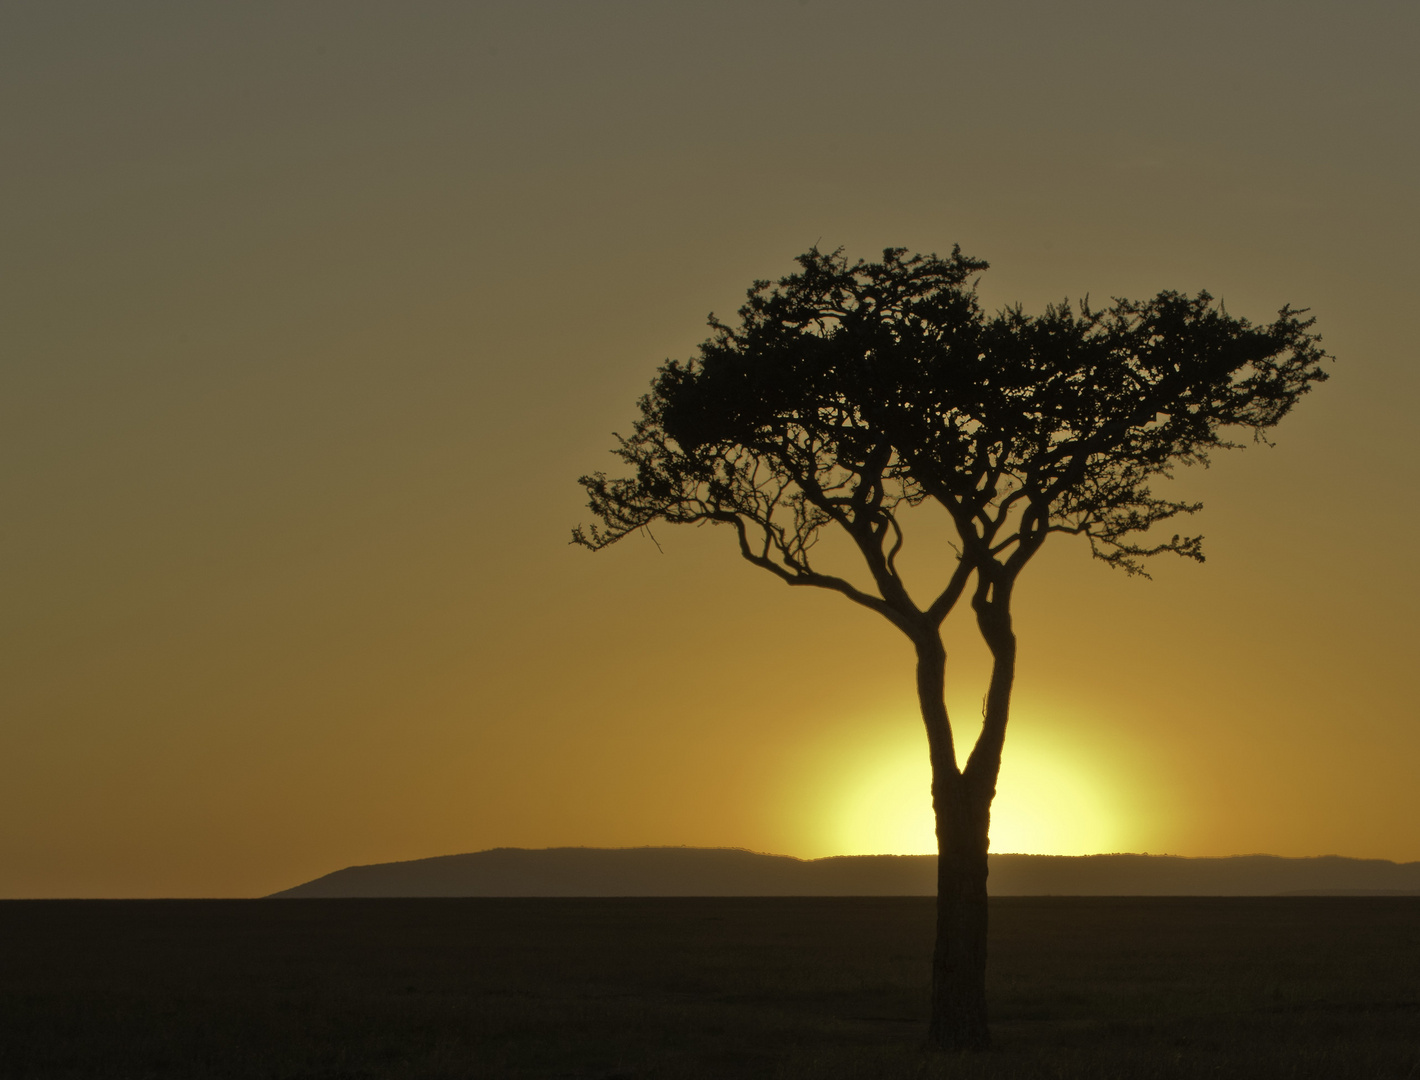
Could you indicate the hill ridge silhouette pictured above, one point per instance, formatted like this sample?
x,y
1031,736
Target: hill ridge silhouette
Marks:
x,y
693,871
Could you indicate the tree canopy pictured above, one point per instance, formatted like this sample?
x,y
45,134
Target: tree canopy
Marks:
x,y
849,391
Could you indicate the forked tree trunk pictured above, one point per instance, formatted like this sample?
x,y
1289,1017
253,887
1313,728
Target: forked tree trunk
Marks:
x,y
961,801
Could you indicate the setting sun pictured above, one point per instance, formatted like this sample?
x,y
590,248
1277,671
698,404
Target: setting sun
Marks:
x,y
1046,804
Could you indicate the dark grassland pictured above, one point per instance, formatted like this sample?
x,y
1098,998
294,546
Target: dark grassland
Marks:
x,y
825,987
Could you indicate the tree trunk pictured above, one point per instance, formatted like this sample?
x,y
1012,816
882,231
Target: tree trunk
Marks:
x,y
959,960
961,801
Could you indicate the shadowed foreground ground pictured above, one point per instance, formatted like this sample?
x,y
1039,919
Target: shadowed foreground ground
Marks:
x,y
732,987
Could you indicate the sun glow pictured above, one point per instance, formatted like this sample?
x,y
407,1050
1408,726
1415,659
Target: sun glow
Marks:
x,y
1046,804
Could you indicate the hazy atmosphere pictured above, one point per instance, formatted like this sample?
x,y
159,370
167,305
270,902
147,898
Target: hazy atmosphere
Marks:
x,y
313,314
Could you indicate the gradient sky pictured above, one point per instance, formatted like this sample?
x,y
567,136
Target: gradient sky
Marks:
x,y
313,313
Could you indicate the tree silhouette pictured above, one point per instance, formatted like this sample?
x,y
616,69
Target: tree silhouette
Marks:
x,y
849,393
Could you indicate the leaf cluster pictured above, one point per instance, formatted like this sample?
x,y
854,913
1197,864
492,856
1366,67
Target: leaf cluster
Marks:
x,y
848,391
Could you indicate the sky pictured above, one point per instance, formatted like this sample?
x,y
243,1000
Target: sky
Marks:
x,y
312,314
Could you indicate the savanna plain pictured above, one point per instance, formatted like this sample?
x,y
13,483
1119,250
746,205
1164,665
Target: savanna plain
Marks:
x,y
1324,987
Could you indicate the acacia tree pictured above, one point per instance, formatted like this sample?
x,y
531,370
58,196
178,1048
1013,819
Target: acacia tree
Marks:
x,y
849,393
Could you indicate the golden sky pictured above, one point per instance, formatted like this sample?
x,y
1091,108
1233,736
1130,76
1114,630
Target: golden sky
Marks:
x,y
313,313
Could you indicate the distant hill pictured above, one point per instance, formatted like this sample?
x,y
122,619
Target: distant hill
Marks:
x,y
677,871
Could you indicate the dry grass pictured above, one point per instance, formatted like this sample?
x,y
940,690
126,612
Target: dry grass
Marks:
x,y
825,987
